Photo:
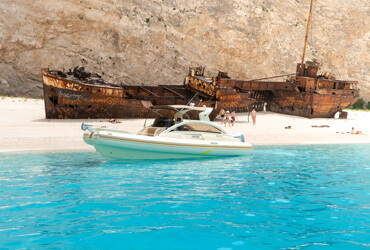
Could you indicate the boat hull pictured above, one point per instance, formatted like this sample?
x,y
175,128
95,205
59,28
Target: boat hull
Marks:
x,y
307,94
83,95
312,105
67,97
130,147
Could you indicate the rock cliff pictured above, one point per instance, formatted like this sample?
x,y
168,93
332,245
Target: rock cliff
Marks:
x,y
154,42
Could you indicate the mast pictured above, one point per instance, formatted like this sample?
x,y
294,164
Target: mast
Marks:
x,y
308,25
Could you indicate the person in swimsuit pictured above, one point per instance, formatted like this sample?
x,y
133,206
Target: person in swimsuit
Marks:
x,y
222,115
353,132
233,118
254,114
227,118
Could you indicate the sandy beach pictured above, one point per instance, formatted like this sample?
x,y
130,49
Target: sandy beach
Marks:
x,y
23,127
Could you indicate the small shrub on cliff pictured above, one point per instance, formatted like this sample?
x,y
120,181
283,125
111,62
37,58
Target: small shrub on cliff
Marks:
x,y
359,104
368,105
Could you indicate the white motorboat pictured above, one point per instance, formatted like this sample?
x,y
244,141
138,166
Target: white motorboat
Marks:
x,y
166,139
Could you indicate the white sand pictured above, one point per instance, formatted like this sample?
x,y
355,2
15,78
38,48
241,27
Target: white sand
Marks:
x,y
23,127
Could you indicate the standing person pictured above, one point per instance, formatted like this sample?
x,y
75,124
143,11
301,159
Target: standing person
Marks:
x,y
249,113
254,114
227,118
222,114
233,118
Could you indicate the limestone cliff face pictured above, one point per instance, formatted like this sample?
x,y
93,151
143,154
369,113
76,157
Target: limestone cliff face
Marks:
x,y
154,42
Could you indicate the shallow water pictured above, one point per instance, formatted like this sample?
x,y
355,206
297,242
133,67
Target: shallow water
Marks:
x,y
282,197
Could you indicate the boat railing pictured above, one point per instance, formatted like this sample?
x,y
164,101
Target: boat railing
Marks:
x,y
93,129
84,126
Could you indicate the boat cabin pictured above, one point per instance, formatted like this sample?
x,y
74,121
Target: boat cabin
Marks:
x,y
176,123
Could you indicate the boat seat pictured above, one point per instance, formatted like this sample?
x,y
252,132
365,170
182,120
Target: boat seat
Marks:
x,y
159,130
151,131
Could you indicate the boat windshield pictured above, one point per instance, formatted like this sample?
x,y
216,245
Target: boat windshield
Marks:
x,y
163,122
198,127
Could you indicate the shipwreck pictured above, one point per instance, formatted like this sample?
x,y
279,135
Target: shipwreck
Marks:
x,y
306,94
77,94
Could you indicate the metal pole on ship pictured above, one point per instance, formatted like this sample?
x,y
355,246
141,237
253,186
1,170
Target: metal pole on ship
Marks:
x,y
308,25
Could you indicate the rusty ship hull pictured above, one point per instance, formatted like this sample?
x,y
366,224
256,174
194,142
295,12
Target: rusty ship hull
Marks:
x,y
82,95
306,94
311,105
316,96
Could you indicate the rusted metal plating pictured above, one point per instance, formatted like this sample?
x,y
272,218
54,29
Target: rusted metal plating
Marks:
x,y
79,94
306,94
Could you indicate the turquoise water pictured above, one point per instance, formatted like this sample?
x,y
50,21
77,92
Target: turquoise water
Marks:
x,y
286,197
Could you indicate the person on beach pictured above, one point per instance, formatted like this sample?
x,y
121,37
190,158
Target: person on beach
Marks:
x,y
254,114
114,121
227,118
222,115
233,118
353,132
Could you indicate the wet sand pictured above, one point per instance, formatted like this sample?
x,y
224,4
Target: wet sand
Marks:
x,y
23,127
